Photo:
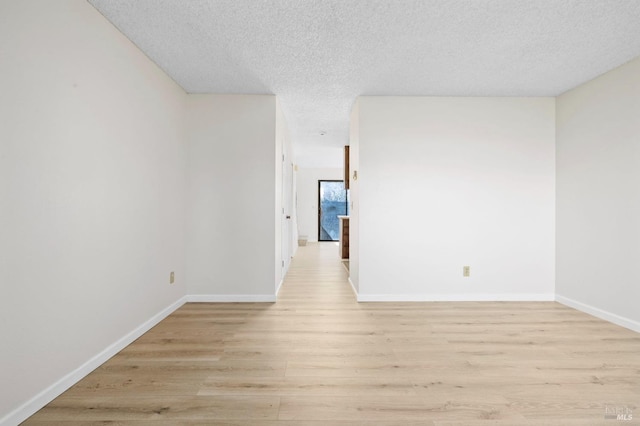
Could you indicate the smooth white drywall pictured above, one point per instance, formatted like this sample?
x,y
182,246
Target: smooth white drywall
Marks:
x,y
307,183
598,194
448,182
231,195
91,192
354,189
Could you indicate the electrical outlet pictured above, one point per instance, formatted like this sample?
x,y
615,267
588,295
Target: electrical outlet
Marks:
x,y
172,277
466,271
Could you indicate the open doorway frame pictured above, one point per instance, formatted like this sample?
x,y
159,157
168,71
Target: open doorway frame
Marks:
x,y
332,202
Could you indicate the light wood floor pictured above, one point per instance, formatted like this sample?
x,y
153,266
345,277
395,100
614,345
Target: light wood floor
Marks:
x,y
316,357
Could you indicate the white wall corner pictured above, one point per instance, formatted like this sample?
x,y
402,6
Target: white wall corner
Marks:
x,y
231,298
30,407
279,286
480,297
600,313
353,288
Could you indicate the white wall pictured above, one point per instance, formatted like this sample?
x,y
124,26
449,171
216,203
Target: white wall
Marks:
x,y
91,194
598,196
320,157
231,197
448,182
307,205
354,193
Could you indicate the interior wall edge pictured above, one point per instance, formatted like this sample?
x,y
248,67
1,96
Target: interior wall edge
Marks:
x,y
600,313
353,288
468,297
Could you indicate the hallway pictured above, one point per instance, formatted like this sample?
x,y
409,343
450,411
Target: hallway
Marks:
x,y
316,357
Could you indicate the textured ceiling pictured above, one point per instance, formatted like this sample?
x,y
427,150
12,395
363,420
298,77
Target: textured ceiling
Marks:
x,y
317,56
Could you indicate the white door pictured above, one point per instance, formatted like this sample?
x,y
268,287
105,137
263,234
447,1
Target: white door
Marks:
x,y
287,211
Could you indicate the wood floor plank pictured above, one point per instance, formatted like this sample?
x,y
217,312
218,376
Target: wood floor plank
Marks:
x,y
252,422
99,408
392,409
123,385
310,386
317,357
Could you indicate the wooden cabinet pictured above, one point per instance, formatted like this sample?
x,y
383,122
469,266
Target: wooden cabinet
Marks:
x,y
346,167
344,220
343,247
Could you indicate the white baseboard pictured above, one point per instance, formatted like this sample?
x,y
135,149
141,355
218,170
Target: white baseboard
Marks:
x,y
353,287
49,394
480,297
279,287
231,298
600,313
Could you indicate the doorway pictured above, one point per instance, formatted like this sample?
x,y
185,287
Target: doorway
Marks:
x,y
332,202
287,226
